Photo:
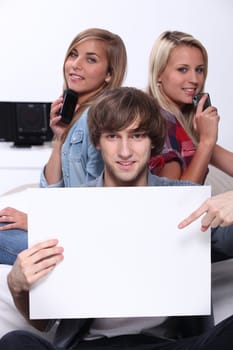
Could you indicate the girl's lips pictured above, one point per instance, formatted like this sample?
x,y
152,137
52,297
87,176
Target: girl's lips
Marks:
x,y
76,77
190,92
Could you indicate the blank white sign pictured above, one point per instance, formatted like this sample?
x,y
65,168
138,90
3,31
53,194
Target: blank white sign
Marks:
x,y
123,253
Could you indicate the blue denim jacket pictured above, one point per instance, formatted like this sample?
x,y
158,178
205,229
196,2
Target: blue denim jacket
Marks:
x,y
81,162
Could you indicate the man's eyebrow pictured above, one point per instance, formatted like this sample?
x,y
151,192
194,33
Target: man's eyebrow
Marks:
x,y
137,130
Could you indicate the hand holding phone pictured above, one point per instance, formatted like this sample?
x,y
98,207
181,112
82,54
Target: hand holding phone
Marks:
x,y
70,98
197,98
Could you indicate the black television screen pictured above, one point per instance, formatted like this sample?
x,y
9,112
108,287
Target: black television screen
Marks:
x,y
25,123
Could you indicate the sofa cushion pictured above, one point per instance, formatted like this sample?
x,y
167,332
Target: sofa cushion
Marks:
x,y
222,289
218,180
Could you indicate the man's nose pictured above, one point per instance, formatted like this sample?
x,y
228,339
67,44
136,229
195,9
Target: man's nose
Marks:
x,y
124,148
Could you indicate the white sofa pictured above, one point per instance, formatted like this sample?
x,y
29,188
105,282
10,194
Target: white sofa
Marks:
x,y
222,281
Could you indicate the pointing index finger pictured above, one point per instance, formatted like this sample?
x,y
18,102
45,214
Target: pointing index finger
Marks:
x,y
192,217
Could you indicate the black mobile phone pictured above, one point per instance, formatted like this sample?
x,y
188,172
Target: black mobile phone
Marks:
x,y
197,98
70,98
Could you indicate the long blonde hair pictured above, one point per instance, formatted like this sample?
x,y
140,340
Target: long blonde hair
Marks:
x,y
117,63
159,57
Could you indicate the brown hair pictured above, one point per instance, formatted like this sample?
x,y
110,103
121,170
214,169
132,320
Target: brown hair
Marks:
x,y
117,108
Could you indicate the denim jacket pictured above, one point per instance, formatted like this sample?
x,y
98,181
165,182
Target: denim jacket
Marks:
x,y
81,162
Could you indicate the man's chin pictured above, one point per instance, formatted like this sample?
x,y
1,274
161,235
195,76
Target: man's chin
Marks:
x,y
119,177
126,179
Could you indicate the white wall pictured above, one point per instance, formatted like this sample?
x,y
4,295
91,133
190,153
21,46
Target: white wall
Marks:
x,y
35,35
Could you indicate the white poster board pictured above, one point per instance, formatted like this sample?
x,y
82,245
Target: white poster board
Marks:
x,y
123,253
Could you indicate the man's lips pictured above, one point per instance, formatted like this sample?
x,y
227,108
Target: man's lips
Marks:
x,y
127,164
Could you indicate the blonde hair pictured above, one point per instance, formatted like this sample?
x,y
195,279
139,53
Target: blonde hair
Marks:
x,y
117,63
159,57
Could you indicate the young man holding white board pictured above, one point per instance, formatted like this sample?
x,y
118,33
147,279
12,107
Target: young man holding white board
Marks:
x,y
126,125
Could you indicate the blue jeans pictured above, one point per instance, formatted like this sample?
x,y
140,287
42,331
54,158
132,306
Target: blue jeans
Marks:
x,y
12,242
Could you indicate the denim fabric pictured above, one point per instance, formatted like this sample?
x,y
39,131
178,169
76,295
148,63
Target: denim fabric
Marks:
x,y
12,242
81,162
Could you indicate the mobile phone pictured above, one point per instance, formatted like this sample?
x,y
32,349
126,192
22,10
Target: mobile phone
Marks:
x,y
70,98
197,98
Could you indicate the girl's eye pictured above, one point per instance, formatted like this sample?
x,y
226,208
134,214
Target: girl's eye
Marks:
x,y
200,70
182,69
73,54
91,60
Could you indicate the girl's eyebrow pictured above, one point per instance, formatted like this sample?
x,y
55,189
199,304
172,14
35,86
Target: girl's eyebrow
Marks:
x,y
187,65
92,54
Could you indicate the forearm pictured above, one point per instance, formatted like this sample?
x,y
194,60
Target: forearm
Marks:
x,y
21,301
222,159
53,169
32,265
198,166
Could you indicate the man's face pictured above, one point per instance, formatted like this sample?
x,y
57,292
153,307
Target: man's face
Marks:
x,y
126,154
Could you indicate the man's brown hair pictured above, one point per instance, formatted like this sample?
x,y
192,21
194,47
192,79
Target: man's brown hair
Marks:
x,y
118,108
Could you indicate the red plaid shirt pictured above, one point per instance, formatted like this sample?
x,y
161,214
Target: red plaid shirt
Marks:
x,y
178,146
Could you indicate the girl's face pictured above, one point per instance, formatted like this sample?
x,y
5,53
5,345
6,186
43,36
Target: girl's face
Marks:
x,y
183,76
86,68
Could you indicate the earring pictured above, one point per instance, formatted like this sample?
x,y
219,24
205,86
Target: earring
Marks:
x,y
108,78
158,84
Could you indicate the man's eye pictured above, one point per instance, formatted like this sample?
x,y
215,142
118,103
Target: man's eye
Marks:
x,y
111,136
139,136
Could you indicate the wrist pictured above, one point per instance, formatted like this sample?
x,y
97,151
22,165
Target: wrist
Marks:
x,y
207,143
12,286
57,143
